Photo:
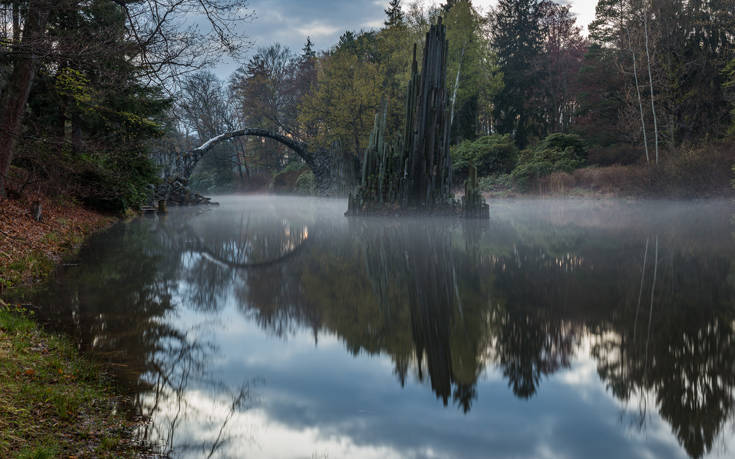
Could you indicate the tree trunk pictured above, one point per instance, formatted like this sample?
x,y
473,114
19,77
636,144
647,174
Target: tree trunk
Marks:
x,y
15,96
635,73
242,156
16,22
456,87
640,101
650,81
76,132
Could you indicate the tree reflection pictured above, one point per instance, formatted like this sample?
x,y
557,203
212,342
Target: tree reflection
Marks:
x,y
529,347
116,303
682,353
445,301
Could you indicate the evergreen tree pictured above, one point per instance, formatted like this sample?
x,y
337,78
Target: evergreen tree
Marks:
x,y
517,40
308,52
59,38
394,13
448,5
304,82
730,92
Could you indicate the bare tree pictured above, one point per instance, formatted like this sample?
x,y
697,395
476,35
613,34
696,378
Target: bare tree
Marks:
x,y
169,42
265,89
202,104
205,106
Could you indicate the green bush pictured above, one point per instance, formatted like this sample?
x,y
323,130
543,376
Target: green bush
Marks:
x,y
115,181
495,183
492,154
295,166
306,183
285,179
556,153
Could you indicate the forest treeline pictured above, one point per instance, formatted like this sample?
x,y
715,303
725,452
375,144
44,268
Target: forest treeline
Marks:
x,y
651,84
88,86
645,99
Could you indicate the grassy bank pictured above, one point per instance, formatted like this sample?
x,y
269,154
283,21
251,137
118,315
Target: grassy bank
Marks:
x,y
54,402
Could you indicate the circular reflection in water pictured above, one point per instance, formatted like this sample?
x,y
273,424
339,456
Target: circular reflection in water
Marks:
x,y
246,238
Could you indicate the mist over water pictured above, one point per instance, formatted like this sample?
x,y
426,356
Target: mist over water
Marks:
x,y
277,327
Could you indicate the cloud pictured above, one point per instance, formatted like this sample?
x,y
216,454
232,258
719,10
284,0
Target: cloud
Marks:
x,y
318,29
290,22
374,24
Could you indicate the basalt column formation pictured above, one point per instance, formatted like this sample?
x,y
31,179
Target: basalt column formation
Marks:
x,y
414,173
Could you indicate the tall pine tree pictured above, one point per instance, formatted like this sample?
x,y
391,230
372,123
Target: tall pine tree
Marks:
x,y
394,13
448,5
307,52
517,39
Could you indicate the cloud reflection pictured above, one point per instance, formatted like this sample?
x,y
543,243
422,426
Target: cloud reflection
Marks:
x,y
527,336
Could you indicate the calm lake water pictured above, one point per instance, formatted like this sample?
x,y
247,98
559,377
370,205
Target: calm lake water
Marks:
x,y
277,328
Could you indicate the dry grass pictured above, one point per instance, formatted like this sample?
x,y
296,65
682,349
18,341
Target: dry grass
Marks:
x,y
700,172
606,181
612,179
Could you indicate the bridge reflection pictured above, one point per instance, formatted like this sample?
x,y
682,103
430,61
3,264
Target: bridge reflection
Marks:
x,y
447,302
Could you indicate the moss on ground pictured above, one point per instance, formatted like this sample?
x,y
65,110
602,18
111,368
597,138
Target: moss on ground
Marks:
x,y
54,402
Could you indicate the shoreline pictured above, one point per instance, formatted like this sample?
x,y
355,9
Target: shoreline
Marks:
x,y
54,401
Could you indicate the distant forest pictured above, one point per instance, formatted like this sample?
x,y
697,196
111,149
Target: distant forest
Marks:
x,y
99,97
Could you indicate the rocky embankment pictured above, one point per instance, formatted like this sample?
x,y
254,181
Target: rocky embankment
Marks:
x,y
175,192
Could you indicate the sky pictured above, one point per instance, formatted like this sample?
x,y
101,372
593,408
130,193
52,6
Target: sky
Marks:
x,y
289,22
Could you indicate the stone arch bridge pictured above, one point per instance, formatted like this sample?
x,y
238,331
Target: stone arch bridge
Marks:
x,y
319,161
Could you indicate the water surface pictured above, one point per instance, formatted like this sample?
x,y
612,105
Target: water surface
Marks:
x,y
276,327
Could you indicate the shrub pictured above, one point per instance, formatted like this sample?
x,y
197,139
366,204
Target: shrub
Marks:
x,y
615,154
114,182
285,180
556,153
306,183
495,183
701,171
492,154
570,143
295,166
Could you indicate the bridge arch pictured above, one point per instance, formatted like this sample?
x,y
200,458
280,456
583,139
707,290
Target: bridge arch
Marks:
x,y
318,163
201,247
